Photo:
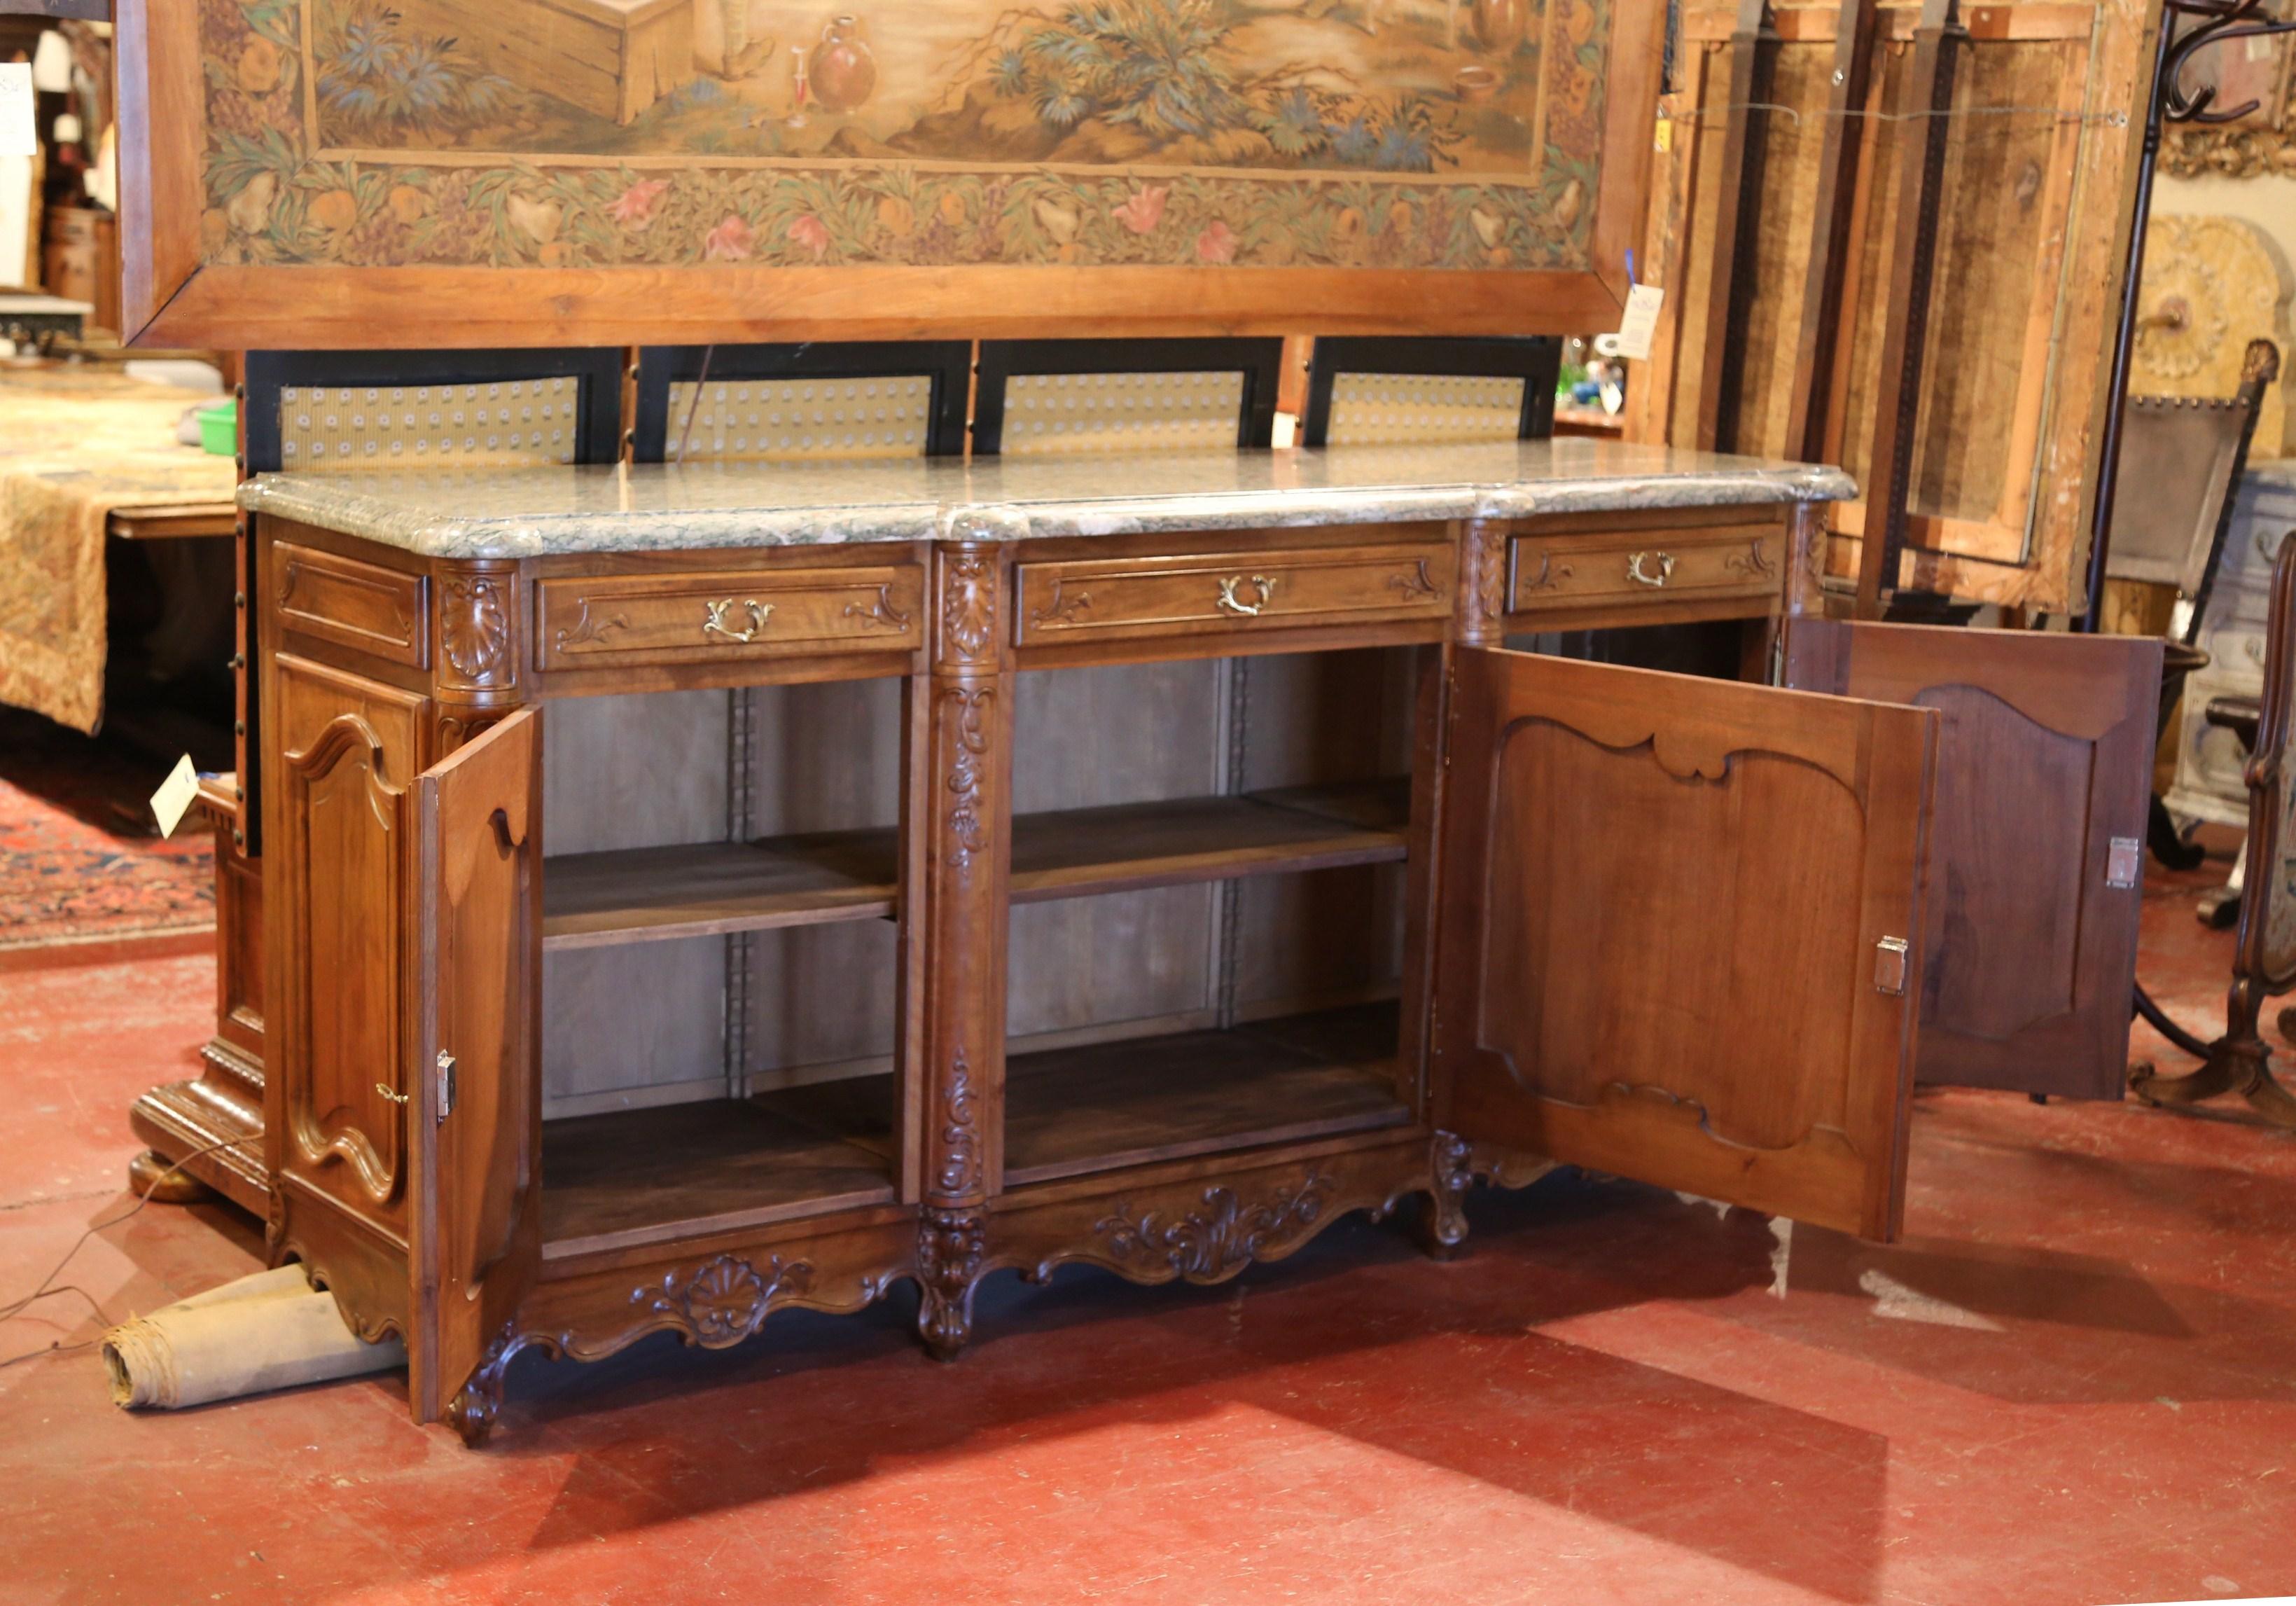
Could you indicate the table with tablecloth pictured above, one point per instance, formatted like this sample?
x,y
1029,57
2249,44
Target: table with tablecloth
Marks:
x,y
77,445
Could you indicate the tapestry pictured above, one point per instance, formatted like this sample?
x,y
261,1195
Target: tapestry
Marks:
x,y
1397,133
78,445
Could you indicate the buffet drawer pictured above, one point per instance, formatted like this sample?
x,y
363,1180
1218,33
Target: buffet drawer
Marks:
x,y
582,623
1619,568
1279,590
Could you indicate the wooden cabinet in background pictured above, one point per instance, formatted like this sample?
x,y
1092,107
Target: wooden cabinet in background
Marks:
x,y
80,260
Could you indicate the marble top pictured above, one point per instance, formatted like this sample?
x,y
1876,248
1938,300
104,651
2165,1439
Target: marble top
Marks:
x,y
535,512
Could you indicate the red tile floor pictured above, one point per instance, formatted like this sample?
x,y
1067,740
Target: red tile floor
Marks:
x,y
2075,1381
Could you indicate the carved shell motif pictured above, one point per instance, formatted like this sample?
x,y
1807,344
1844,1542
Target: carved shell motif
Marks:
x,y
967,607
474,627
725,1301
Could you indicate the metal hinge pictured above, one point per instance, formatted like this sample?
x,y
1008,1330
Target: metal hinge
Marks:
x,y
445,1067
1889,965
2122,863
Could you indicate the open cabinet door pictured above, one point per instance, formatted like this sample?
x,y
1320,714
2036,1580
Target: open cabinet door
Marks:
x,y
2044,766
1680,922
476,1108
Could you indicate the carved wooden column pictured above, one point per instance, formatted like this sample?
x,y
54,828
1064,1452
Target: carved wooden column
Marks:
x,y
475,680
967,807
1482,583
1805,537
1478,620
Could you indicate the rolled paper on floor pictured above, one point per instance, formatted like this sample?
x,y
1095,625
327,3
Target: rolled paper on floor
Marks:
x,y
270,1330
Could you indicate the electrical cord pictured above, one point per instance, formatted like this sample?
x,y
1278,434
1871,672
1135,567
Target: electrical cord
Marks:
x,y
49,1287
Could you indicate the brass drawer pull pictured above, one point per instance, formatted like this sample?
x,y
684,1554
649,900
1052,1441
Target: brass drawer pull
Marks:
x,y
1230,602
1641,577
759,612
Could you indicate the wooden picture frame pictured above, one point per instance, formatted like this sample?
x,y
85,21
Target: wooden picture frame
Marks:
x,y
270,204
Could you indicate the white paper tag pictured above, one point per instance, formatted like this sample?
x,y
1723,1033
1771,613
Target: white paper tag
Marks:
x,y
176,794
1636,329
20,134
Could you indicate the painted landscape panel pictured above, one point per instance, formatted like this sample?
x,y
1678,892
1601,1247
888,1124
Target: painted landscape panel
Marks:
x,y
1412,134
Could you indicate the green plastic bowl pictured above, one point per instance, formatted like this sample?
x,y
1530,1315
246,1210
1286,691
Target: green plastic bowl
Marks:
x,y
219,429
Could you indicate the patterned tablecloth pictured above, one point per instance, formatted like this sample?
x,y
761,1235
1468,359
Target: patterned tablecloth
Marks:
x,y
75,445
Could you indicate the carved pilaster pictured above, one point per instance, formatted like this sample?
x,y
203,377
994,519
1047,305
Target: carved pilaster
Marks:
x,y
950,1246
1482,589
961,900
1806,539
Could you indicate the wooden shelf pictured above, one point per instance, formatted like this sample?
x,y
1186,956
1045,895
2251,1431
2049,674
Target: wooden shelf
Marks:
x,y
646,1176
653,894
1079,852
1071,1111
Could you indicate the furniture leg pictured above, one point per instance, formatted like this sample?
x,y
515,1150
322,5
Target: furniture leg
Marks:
x,y
1443,1227
950,1244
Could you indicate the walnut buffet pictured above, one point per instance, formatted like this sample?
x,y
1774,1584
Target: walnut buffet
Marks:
x,y
699,892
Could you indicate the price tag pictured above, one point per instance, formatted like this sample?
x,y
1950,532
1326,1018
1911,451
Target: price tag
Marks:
x,y
1641,322
20,134
176,794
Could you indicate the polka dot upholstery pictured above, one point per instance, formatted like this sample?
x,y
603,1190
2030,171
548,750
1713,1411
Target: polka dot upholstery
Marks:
x,y
507,424
1047,414
1412,410
799,420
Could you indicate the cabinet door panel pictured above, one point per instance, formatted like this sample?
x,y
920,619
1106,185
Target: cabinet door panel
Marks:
x,y
477,1110
348,749
2045,762
1665,908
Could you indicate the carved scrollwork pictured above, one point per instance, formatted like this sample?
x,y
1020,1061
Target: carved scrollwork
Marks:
x,y
1061,608
724,1302
474,628
1416,585
478,1403
880,614
967,710
1754,563
2227,152
950,1247
586,634
968,619
960,1139
458,729
1219,1240
1550,576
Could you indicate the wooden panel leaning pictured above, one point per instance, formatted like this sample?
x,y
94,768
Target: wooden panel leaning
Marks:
x,y
2264,962
2045,760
